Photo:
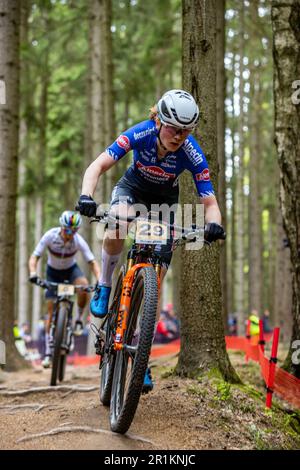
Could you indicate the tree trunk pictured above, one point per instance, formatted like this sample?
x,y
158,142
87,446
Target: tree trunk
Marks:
x,y
255,209
176,270
283,283
239,201
221,86
232,246
9,121
202,329
97,102
23,285
37,291
41,165
23,229
286,54
109,100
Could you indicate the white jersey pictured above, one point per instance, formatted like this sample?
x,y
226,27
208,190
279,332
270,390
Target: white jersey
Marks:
x,y
61,255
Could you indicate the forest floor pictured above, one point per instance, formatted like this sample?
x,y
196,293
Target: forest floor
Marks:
x,y
178,414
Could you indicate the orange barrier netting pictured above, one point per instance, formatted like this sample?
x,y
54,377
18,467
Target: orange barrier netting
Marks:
x,y
276,379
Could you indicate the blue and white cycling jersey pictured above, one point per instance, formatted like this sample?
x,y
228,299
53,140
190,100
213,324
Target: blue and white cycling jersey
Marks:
x,y
150,174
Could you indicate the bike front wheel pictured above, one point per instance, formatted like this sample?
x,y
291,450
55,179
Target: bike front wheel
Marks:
x,y
108,358
60,329
132,360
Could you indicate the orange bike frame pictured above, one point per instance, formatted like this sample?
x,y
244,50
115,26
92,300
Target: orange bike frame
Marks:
x,y
125,303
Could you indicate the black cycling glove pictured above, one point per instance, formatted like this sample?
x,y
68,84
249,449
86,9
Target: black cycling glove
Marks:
x,y
33,278
86,206
214,232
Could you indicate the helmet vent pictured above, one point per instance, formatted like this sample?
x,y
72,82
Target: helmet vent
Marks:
x,y
164,110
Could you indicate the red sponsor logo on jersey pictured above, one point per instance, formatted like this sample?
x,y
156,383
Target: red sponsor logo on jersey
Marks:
x,y
203,176
123,142
155,171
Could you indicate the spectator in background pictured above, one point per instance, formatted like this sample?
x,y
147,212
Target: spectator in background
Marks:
x,y
162,335
232,325
25,332
19,341
168,326
254,323
266,322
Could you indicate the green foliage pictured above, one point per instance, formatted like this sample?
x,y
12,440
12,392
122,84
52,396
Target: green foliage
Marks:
x,y
146,56
224,391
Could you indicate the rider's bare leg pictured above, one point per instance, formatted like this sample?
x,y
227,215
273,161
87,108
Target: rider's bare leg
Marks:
x,y
50,305
113,243
82,296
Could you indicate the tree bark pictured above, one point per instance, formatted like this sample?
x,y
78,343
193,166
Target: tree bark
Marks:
x,y
286,54
254,199
232,246
9,122
41,165
283,283
221,87
23,229
239,201
255,209
176,270
97,103
109,100
202,329
37,291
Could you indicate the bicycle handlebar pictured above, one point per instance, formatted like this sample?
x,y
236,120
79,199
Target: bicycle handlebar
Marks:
x,y
187,233
48,284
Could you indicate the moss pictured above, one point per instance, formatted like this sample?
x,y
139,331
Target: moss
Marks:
x,y
197,391
166,372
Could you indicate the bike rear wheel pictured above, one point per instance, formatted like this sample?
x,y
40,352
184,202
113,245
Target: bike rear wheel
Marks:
x,y
108,359
132,361
60,329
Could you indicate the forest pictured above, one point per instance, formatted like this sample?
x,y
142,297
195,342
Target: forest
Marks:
x,y
75,74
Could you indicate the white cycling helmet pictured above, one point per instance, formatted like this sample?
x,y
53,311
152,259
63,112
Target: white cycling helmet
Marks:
x,y
70,219
178,108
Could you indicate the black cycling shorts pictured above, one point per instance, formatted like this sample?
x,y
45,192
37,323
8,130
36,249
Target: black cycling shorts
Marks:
x,y
124,192
62,275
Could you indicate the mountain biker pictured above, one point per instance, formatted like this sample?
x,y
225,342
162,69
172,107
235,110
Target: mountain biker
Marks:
x,y
163,147
63,243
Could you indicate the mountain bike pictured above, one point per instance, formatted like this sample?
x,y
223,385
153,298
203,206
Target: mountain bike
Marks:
x,y
124,339
61,330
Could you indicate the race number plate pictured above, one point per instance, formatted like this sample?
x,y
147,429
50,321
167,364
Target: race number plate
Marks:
x,y
65,289
149,232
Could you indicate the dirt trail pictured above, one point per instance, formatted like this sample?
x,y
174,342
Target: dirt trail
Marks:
x,y
178,414
37,413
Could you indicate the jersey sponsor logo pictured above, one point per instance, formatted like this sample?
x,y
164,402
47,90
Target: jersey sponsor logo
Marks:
x,y
205,194
171,157
203,176
146,154
145,157
192,153
123,142
168,165
112,154
140,135
155,171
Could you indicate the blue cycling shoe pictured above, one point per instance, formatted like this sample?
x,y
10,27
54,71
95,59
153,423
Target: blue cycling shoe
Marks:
x,y
148,384
99,303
